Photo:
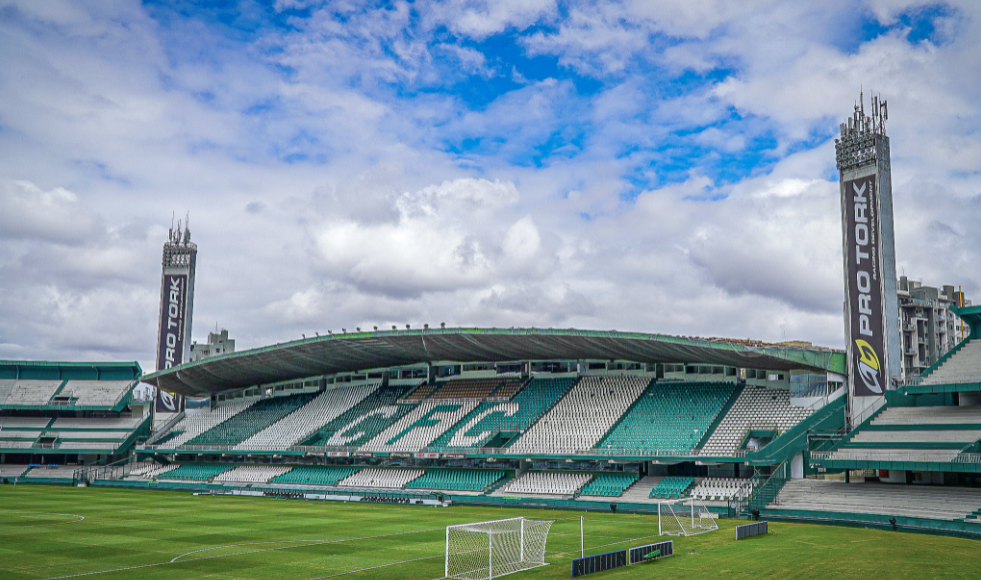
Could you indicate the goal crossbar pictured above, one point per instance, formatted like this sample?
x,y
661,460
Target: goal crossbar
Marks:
x,y
494,548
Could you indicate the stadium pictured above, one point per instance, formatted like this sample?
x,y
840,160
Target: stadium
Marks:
x,y
482,452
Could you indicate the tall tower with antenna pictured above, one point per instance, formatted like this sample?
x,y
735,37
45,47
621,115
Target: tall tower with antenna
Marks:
x,y
872,337
176,308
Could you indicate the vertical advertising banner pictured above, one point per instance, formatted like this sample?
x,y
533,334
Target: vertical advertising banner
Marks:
x,y
863,261
173,316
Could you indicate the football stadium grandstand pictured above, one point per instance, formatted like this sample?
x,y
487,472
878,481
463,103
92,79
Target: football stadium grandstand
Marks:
x,y
56,417
545,418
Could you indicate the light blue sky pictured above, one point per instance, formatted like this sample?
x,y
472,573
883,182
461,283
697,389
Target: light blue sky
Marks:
x,y
662,167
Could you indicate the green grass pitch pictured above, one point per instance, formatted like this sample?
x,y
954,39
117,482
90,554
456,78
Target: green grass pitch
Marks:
x,y
160,534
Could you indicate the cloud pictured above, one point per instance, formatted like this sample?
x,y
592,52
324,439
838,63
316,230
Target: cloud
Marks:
x,y
56,215
453,235
663,167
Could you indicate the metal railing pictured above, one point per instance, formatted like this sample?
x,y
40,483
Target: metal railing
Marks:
x,y
768,492
165,429
116,470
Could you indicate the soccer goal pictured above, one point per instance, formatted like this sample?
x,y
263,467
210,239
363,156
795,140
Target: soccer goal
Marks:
x,y
687,518
485,550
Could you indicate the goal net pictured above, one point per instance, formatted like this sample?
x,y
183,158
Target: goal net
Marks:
x,y
495,548
684,518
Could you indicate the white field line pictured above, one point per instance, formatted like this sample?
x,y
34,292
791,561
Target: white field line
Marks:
x,y
176,560
77,517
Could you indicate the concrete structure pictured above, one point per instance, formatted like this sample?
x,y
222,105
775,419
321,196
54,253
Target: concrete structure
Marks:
x,y
929,327
871,310
176,312
218,343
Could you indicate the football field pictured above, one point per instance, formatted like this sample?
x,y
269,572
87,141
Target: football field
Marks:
x,y
92,533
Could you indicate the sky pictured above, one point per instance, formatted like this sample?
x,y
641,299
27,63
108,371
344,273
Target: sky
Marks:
x,y
663,167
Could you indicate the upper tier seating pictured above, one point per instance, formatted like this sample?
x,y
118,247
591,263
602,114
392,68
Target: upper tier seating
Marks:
x,y
583,416
301,423
315,475
193,424
413,432
368,418
195,472
964,366
672,417
916,434
610,484
96,393
382,478
24,422
422,392
263,413
456,479
915,501
27,392
491,418
510,388
925,416
755,408
721,488
253,473
546,483
101,445
122,423
672,487
469,388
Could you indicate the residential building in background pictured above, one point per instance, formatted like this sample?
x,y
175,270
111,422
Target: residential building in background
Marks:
x,y
929,327
218,343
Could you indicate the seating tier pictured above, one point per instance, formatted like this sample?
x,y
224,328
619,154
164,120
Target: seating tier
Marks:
x,y
582,417
491,418
670,417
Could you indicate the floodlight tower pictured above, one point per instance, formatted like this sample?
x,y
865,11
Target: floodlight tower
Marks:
x,y
176,308
872,339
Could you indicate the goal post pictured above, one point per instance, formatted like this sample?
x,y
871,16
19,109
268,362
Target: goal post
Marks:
x,y
684,518
485,550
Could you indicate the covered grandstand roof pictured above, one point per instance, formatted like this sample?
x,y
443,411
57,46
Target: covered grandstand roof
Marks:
x,y
350,352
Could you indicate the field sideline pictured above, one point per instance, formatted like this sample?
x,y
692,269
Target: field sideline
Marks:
x,y
51,532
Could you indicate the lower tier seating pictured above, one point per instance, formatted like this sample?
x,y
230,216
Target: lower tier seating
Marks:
x,y
315,475
253,473
915,501
11,471
65,472
610,484
721,488
546,483
456,479
672,487
150,470
195,472
382,478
